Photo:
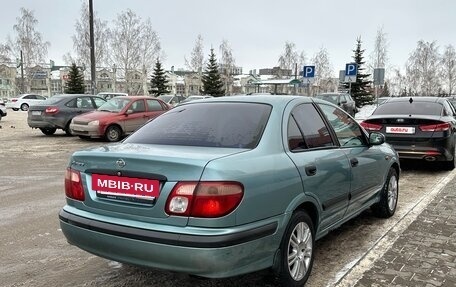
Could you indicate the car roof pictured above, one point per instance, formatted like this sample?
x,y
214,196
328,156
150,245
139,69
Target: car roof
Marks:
x,y
135,97
263,99
416,99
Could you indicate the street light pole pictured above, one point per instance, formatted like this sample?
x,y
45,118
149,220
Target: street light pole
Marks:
x,y
92,49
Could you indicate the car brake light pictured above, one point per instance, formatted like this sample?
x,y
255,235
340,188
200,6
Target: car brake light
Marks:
x,y
435,127
51,110
204,199
73,185
371,126
14,100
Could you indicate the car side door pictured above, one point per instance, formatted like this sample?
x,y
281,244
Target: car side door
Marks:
x,y
323,166
365,160
136,116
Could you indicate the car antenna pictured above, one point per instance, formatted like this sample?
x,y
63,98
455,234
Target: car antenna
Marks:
x,y
410,100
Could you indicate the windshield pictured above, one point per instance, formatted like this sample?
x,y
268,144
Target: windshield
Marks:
x,y
329,98
235,125
416,108
114,105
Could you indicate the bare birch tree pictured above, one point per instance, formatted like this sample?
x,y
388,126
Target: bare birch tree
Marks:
x,y
196,57
81,40
134,46
423,69
302,61
323,68
5,53
397,82
448,68
289,58
379,56
227,63
28,40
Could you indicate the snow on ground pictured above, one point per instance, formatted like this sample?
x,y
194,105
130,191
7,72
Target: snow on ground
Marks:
x,y
365,112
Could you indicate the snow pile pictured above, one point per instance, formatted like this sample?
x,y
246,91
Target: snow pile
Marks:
x,y
364,112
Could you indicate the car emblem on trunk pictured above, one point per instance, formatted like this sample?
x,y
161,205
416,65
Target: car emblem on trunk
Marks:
x,y
120,163
400,120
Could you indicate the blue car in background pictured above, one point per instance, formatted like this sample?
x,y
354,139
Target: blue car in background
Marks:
x,y
225,186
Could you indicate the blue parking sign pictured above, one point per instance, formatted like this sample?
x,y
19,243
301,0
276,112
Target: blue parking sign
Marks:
x,y
351,69
308,71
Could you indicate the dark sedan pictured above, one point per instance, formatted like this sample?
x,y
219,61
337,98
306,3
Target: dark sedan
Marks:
x,y
420,128
343,100
58,111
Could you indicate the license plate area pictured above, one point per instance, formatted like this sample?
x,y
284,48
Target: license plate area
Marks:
x,y
141,190
36,113
400,130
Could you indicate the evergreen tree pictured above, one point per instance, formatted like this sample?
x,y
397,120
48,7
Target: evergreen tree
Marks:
x,y
75,83
360,89
159,80
212,81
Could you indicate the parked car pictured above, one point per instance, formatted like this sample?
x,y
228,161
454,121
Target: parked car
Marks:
x,y
110,95
24,101
192,98
228,186
117,117
3,111
343,100
58,111
419,128
171,100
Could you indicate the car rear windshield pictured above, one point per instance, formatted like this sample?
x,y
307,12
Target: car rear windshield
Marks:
x,y
414,108
329,98
53,100
233,125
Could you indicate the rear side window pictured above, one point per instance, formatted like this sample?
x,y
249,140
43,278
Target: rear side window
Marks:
x,y
233,125
414,108
312,127
154,105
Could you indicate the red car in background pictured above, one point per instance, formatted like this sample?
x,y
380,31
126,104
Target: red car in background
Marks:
x,y
118,117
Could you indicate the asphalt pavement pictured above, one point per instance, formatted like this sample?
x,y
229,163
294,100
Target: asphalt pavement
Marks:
x,y
425,253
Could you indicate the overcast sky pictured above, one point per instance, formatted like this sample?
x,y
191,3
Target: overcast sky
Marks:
x,y
256,29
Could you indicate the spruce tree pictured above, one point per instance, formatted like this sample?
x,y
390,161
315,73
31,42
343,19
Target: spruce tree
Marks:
x,y
385,92
159,80
360,89
212,81
75,83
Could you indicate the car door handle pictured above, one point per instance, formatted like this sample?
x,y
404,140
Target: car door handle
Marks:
x,y
311,169
354,162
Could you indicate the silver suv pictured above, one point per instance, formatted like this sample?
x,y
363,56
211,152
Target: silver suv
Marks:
x,y
343,100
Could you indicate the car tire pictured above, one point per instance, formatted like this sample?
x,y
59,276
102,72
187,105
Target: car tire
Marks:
x,y
48,131
67,130
24,107
389,194
450,165
113,134
15,109
297,250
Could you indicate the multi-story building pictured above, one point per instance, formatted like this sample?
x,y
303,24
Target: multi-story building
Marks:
x,y
7,81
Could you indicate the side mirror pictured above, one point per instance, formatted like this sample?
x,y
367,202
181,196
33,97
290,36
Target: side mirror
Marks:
x,y
376,138
128,112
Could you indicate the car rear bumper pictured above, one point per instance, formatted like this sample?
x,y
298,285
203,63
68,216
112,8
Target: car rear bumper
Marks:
x,y
230,253
434,150
41,124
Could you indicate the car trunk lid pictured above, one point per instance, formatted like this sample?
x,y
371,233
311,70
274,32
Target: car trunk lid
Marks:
x,y
130,164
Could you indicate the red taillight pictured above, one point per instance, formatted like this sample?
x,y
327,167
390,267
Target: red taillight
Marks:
x,y
14,100
73,185
51,110
435,127
207,199
371,126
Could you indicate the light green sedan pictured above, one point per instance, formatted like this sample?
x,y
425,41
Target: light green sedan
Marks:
x,y
226,186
